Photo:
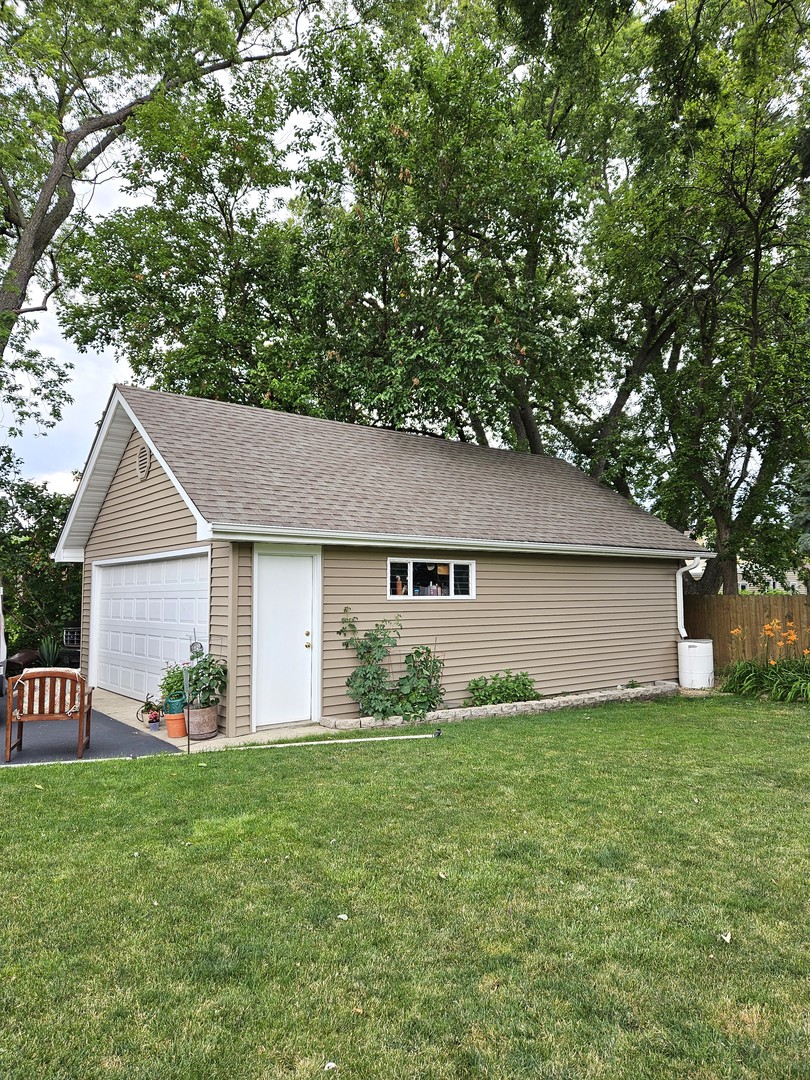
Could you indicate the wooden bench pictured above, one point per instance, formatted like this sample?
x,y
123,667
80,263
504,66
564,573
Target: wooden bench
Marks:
x,y
48,694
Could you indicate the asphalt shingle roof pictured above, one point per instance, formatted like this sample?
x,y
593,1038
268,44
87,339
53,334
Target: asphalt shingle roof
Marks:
x,y
256,467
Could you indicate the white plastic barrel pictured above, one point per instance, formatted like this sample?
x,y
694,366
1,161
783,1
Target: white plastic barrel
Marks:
x,y
696,663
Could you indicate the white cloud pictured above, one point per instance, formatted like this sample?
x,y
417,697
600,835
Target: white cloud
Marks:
x,y
61,483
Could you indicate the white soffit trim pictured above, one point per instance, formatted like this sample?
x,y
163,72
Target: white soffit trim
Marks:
x,y
117,425
273,535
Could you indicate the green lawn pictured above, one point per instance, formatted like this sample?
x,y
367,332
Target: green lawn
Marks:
x,y
539,897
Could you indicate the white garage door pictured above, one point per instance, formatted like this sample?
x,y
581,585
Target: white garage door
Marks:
x,y
148,613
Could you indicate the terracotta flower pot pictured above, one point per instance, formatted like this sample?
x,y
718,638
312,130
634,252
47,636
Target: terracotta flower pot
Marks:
x,y
175,725
202,723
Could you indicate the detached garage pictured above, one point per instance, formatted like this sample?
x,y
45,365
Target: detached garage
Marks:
x,y
251,530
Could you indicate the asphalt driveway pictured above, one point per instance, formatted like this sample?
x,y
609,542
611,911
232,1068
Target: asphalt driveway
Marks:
x,y
47,741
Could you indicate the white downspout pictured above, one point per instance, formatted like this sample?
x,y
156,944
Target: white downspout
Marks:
x,y
693,565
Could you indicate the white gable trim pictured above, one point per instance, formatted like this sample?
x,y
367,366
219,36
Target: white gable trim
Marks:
x,y
117,426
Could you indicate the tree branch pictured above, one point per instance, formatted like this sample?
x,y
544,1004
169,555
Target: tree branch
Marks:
x,y
56,285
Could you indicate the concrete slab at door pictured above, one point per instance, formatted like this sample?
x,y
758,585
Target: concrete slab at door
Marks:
x,y
285,626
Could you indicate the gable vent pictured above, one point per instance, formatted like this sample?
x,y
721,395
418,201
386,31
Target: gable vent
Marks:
x,y
142,462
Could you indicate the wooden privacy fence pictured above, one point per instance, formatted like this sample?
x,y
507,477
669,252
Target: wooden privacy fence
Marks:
x,y
716,616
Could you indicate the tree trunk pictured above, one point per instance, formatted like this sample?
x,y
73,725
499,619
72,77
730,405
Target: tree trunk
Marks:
x,y
52,210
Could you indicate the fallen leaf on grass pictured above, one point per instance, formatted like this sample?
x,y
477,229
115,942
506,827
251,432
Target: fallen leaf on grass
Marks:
x,y
39,787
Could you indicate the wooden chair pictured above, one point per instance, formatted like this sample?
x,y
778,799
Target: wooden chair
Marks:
x,y
48,694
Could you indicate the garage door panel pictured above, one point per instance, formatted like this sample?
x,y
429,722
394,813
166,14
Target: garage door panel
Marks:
x,y
149,613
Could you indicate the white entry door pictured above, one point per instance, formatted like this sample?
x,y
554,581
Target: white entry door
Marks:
x,y
284,643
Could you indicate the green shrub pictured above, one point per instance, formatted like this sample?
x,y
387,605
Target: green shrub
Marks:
x,y
419,690
207,679
501,688
779,680
371,684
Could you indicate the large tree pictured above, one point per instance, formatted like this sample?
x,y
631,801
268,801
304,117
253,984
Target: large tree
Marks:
x,y
41,597
588,237
75,76
423,275
699,254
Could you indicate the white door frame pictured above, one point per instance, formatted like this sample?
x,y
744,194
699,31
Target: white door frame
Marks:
x,y
316,554
95,594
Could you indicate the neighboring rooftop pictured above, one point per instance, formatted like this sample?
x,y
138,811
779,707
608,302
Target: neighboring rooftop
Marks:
x,y
254,468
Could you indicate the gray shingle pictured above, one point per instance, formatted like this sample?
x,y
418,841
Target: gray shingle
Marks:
x,y
255,467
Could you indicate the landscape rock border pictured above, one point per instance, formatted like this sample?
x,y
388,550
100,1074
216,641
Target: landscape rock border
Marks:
x,y
516,708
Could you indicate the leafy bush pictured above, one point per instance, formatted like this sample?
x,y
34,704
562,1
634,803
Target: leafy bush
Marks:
x,y
501,688
779,680
39,594
419,690
371,684
207,678
171,685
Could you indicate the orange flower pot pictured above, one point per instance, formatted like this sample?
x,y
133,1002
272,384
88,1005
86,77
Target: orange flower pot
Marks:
x,y
175,725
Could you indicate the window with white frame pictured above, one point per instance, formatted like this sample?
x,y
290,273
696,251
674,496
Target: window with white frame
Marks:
x,y
418,578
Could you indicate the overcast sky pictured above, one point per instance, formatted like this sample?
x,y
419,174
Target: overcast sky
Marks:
x,y
52,455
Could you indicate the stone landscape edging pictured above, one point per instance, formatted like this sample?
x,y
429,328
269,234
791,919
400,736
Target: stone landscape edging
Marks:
x,y
516,708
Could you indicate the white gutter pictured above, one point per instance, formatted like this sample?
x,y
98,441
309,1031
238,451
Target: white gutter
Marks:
x,y
269,534
689,568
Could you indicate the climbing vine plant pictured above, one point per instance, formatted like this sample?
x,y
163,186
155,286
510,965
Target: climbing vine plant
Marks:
x,y
372,685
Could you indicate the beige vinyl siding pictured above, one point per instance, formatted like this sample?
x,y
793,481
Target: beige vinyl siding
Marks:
x,y
219,619
572,623
231,578
139,517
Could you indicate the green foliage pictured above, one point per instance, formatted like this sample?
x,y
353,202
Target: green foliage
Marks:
x,y
207,679
414,694
577,230
801,515
501,688
419,690
780,680
172,684
40,596
50,650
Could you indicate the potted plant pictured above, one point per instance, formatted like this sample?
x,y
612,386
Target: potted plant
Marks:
x,y
174,700
172,688
149,713
207,678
